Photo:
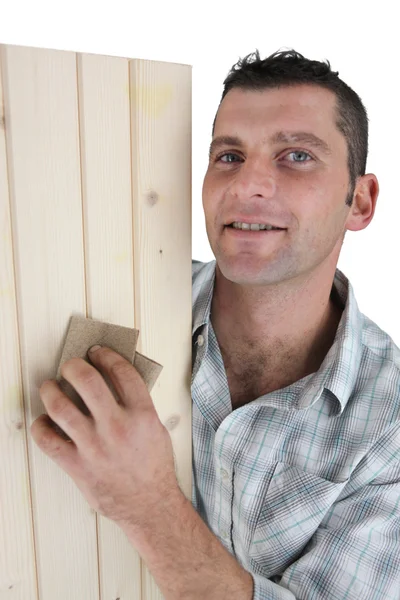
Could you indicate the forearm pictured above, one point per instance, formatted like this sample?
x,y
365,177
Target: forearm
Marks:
x,y
185,558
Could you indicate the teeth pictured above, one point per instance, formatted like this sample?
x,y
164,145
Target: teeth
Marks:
x,y
252,226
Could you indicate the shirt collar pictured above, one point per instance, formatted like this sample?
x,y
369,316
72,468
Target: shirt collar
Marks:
x,y
339,369
205,278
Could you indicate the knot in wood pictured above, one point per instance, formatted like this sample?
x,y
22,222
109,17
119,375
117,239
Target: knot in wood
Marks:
x,y
172,422
152,197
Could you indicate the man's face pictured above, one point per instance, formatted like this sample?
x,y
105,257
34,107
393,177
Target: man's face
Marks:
x,y
268,176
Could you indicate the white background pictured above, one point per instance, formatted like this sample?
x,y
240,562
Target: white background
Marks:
x,y
360,39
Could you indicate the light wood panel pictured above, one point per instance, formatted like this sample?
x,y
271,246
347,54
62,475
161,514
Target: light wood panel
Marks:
x,y
45,191
104,114
161,164
95,200
17,557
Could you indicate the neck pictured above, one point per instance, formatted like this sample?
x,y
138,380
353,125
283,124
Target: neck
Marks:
x,y
292,323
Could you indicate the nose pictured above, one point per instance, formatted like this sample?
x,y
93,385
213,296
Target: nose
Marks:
x,y
254,178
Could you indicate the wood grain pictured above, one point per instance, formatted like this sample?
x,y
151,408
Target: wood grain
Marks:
x,y
95,206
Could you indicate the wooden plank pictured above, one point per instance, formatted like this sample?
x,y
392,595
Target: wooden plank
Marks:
x,y
44,167
17,558
85,237
161,164
103,84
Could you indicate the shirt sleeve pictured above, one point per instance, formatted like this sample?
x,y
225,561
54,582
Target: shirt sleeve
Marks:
x,y
355,552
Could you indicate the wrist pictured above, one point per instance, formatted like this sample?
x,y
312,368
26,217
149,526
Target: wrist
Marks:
x,y
184,556
157,517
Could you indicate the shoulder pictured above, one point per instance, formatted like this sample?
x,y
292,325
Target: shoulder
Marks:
x,y
380,343
380,364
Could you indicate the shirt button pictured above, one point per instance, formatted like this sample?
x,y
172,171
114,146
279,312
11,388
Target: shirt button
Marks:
x,y
224,474
224,534
200,340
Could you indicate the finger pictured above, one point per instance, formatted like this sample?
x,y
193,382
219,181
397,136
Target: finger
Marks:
x,y
92,388
65,414
64,453
127,381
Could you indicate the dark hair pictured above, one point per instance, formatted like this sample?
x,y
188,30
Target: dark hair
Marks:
x,y
288,68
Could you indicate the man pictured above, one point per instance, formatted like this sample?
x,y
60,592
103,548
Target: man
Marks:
x,y
296,394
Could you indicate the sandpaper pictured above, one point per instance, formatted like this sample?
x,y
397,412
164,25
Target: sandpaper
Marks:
x,y
83,333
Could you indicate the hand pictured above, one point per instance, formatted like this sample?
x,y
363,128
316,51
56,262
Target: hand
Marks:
x,y
121,455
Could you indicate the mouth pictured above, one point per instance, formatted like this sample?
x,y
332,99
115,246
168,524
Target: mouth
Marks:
x,y
254,232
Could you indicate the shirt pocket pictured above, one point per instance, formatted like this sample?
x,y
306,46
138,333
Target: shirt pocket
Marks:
x,y
293,506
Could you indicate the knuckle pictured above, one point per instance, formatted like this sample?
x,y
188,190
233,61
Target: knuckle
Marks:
x,y
53,448
118,428
88,378
58,405
95,451
43,387
121,369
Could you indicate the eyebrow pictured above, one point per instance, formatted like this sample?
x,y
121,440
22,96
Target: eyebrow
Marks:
x,y
281,137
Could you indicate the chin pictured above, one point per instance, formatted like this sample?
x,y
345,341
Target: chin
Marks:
x,y
244,270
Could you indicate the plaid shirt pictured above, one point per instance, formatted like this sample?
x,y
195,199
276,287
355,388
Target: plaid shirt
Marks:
x,y
302,485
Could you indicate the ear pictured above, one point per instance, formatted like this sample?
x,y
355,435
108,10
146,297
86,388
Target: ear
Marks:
x,y
364,203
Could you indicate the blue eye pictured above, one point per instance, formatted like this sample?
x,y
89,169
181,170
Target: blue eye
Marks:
x,y
300,156
301,153
226,154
